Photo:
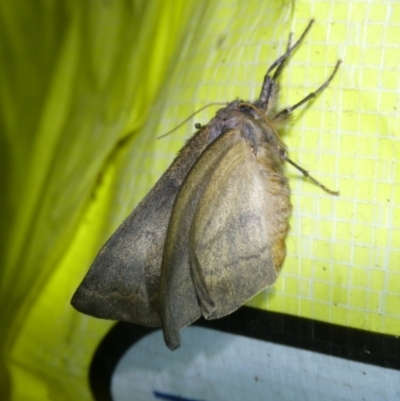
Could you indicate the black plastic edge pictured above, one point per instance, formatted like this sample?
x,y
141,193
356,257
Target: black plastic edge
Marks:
x,y
334,340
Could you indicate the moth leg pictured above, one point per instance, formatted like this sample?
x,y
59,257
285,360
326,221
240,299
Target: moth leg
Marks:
x,y
307,175
269,84
288,110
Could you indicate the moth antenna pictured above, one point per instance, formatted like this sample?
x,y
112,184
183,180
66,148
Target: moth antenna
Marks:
x,y
191,116
288,110
268,83
307,175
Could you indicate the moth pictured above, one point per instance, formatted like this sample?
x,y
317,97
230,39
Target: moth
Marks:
x,y
211,233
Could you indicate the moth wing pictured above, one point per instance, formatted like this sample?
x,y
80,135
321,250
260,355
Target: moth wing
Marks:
x,y
178,296
232,235
123,281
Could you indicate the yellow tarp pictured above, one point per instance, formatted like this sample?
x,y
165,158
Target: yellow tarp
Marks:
x,y
86,87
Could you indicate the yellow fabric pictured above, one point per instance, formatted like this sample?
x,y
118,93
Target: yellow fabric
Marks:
x,y
86,87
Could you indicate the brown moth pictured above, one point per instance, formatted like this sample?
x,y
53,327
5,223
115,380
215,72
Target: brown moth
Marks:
x,y
211,233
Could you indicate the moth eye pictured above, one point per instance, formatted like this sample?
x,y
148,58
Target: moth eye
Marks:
x,y
245,108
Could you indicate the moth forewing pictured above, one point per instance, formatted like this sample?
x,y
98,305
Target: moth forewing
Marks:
x,y
238,247
214,213
179,304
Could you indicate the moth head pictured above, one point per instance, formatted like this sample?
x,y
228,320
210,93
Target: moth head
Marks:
x,y
269,130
